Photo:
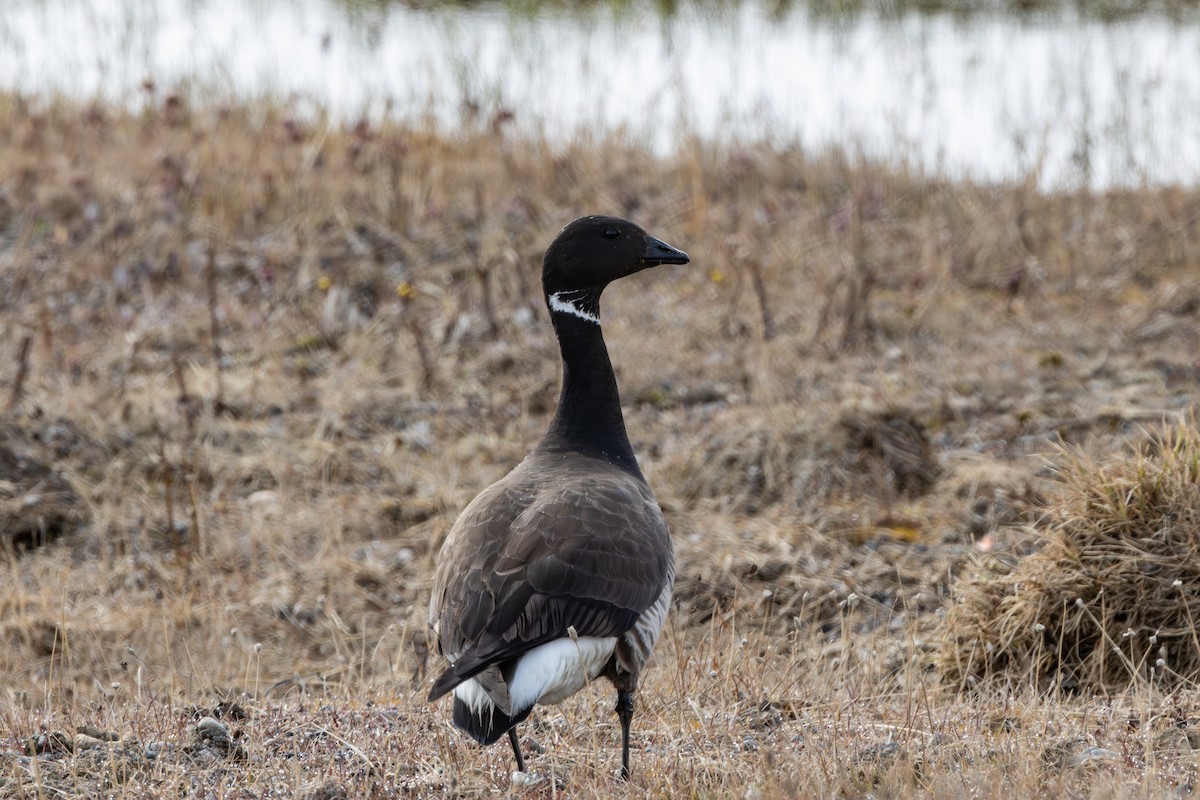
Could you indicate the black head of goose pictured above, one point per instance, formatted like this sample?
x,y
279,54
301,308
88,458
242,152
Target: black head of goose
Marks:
x,y
561,571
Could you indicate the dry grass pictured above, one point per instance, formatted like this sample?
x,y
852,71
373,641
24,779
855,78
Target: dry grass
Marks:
x,y
1107,600
254,365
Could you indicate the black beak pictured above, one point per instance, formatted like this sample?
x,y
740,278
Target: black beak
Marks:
x,y
659,252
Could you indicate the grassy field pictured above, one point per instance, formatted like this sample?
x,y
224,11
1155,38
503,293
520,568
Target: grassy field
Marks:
x,y
252,366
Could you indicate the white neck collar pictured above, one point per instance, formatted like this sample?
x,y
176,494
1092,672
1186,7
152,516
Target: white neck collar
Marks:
x,y
562,301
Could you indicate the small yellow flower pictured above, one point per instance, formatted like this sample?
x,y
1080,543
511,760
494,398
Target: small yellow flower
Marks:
x,y
404,290
716,276
323,283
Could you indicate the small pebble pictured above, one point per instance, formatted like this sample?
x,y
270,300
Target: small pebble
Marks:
x,y
84,742
526,779
211,728
1091,755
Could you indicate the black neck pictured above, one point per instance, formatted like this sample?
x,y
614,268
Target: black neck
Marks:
x,y
588,419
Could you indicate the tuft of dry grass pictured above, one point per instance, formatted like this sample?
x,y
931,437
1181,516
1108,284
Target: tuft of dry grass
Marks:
x,y
1109,601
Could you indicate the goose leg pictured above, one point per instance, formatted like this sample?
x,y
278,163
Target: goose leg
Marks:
x,y
516,743
625,714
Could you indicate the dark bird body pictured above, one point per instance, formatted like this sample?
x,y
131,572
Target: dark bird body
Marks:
x,y
561,571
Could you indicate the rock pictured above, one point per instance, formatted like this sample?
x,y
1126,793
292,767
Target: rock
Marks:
x,y
84,742
1091,755
212,739
265,503
1076,753
99,733
525,780
49,743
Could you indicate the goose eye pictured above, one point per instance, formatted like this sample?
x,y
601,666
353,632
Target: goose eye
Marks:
x,y
611,233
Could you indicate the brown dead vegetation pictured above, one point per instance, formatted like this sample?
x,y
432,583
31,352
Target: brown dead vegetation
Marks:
x,y
262,361
1109,600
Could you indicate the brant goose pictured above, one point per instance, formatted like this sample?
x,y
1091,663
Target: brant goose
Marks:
x,y
561,571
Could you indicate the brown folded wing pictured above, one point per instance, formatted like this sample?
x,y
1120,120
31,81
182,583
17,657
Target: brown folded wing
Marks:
x,y
542,552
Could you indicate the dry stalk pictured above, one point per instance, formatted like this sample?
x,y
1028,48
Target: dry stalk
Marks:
x,y
857,326
184,400
18,386
484,275
483,271
196,536
167,476
214,330
421,344
760,293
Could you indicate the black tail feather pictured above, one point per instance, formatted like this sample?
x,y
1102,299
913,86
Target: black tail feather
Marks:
x,y
445,682
489,724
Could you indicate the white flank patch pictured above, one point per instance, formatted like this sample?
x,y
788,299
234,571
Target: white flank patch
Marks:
x,y
557,303
553,672
547,674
